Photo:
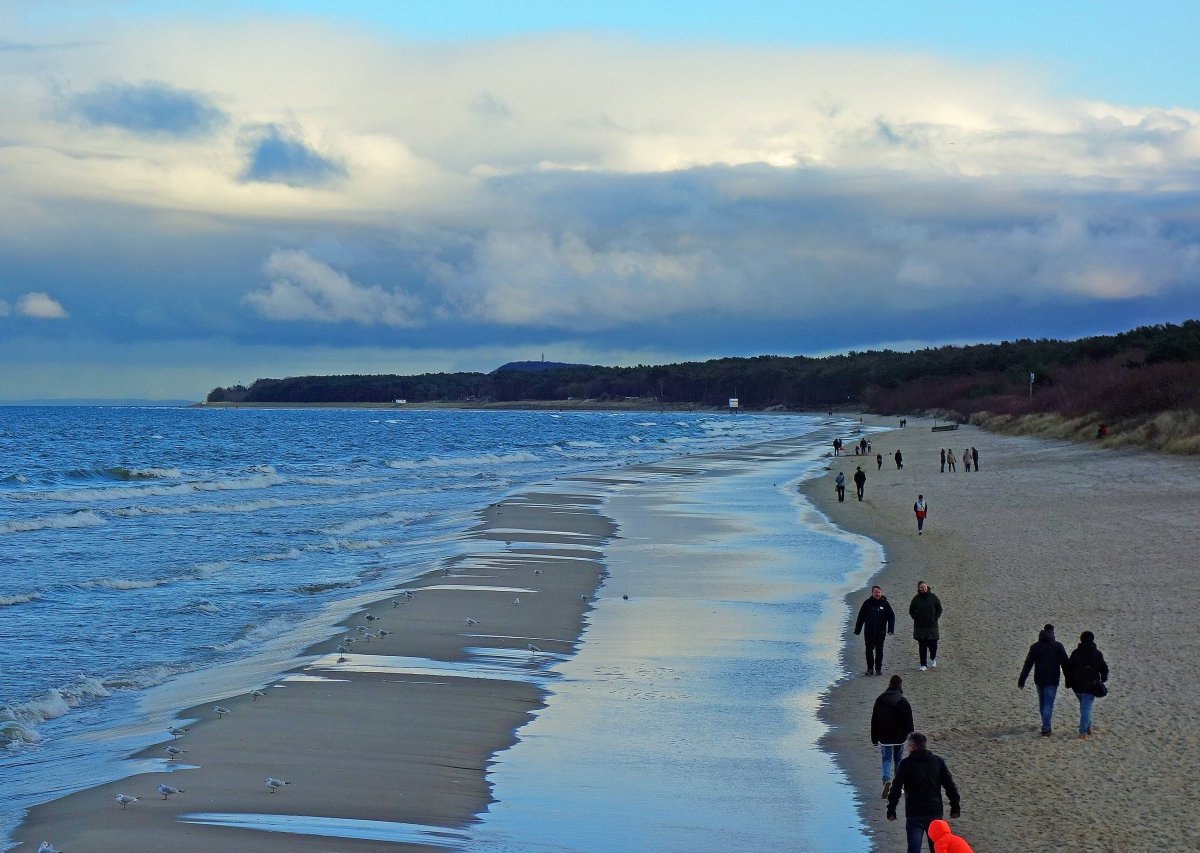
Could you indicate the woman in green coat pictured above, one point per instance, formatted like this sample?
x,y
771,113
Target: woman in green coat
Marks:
x,y
925,610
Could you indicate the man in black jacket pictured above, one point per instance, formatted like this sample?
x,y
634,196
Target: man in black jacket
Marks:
x,y
891,724
1047,658
860,481
878,619
921,776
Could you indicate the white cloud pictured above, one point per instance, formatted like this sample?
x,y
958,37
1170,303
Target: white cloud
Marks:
x,y
41,306
304,288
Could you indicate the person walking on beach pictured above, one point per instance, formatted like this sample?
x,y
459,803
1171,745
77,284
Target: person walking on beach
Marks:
x,y
925,610
837,447
950,459
922,777
975,458
878,461
840,484
876,620
967,459
860,481
1046,658
943,460
891,724
921,509
1086,672
899,460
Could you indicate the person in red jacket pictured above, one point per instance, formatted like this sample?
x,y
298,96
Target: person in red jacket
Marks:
x,y
945,841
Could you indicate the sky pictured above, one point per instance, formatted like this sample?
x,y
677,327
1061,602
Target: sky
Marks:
x,y
199,194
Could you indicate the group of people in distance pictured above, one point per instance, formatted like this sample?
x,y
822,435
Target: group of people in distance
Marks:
x,y
970,457
921,776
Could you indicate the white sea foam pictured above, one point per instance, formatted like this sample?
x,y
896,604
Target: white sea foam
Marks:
x,y
18,723
14,600
464,461
62,521
590,445
122,584
256,635
123,493
387,519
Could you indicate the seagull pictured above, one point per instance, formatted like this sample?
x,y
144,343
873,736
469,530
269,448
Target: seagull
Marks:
x,y
349,641
382,633
176,731
533,650
167,790
221,711
341,650
360,628
537,571
174,752
408,593
370,617
47,847
516,601
583,598
254,694
125,800
626,597
273,783
471,621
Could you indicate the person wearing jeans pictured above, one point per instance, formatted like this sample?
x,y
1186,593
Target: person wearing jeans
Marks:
x,y
921,778
1046,658
1086,672
891,724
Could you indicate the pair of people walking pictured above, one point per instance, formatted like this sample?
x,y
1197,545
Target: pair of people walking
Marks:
x,y
876,619
1085,672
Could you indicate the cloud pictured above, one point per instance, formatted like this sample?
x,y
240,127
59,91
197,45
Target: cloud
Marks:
x,y
278,156
304,288
41,306
152,108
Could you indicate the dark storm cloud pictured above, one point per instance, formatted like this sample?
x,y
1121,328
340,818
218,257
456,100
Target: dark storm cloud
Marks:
x,y
148,109
276,156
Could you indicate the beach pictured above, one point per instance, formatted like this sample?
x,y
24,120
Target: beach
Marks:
x,y
1044,532
403,739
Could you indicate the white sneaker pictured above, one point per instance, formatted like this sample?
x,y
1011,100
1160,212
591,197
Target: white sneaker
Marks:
x,y
933,663
922,668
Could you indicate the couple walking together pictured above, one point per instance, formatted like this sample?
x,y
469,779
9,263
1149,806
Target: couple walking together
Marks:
x,y
876,620
1085,672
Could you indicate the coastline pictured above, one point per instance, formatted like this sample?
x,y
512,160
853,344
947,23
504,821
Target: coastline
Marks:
x,y
1046,532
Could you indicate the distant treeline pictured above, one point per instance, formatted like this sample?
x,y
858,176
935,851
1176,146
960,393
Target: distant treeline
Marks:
x,y
1148,369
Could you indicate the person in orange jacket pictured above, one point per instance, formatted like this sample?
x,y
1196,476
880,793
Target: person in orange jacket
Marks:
x,y
945,841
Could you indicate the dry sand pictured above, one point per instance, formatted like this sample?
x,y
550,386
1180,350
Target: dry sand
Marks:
x,y
1082,538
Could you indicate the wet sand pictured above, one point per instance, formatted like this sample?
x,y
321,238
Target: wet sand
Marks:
x,y
1047,531
399,732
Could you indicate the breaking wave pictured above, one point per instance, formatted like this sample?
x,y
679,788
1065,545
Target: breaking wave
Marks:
x,y
78,518
460,461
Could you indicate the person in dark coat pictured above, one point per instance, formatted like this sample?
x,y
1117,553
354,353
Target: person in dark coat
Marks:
x,y
840,484
899,460
860,481
1046,659
943,460
878,461
975,457
891,724
922,776
925,610
1086,672
876,620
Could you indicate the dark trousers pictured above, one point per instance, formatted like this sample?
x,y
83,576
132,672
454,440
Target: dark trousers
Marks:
x,y
928,650
917,829
874,652
841,490
860,492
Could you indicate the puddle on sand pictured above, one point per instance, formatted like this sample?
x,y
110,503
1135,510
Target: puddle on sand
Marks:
x,y
335,827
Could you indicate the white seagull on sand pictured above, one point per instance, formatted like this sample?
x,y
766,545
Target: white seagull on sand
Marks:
x,y
176,731
125,800
221,710
174,752
516,601
471,621
167,790
273,783
47,847
255,694
533,649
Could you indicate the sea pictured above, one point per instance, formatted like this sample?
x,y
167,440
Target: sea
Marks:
x,y
141,547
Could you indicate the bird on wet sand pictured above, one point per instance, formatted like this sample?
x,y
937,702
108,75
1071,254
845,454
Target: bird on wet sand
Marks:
x,y
125,800
273,784
221,711
167,790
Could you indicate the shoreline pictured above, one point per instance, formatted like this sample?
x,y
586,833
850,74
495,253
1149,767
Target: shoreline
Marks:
x,y
1046,532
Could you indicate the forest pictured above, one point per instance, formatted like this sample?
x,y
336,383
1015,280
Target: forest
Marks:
x,y
1138,373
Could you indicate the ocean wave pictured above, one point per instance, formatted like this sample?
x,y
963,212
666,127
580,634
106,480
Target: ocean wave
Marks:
x,y
204,606
122,473
238,507
590,445
14,600
15,478
19,722
318,588
149,676
262,480
78,518
255,635
461,461
387,519
121,584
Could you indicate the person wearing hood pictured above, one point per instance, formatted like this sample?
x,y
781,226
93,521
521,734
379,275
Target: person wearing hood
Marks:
x,y
839,483
1086,671
925,610
1046,659
891,724
921,777
945,841
876,619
